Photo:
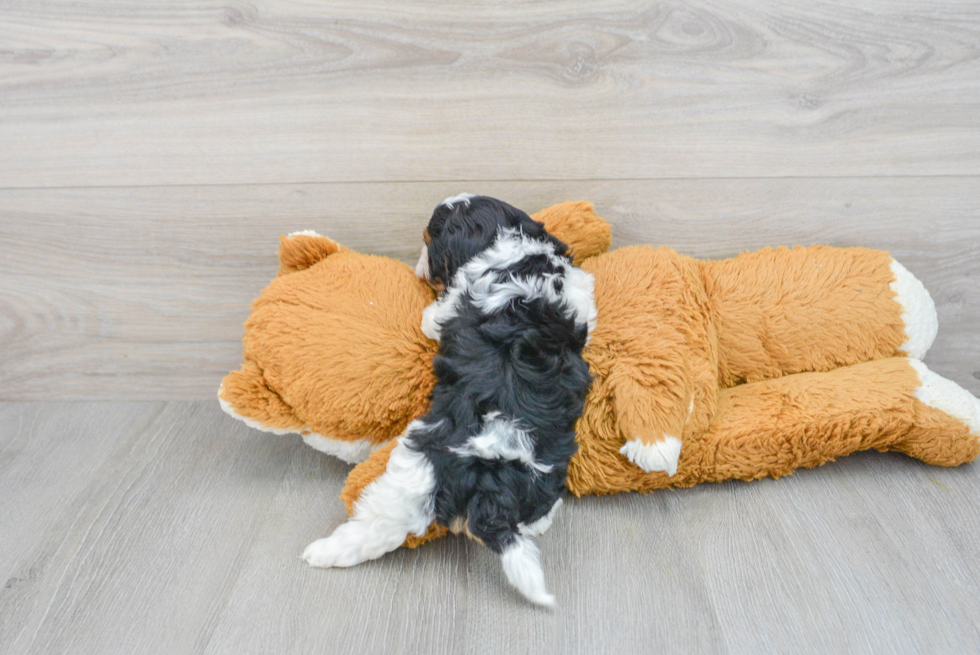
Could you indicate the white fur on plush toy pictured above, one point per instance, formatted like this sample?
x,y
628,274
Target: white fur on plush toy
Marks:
x,y
657,456
919,312
947,396
352,452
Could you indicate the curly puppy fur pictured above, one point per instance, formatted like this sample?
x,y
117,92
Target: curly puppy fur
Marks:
x,y
492,453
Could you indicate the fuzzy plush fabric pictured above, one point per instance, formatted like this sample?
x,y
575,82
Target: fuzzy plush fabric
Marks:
x,y
753,366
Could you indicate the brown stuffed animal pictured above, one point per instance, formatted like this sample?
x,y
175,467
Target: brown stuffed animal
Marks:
x,y
703,370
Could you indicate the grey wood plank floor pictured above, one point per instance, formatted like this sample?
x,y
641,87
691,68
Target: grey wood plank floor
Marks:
x,y
150,155
171,528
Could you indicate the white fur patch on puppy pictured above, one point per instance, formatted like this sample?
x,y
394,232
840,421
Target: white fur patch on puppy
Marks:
x,y
945,395
434,315
477,279
303,233
522,566
501,438
399,502
659,456
460,197
918,312
540,526
577,295
422,267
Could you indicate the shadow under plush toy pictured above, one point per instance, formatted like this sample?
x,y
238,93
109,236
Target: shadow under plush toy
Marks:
x,y
703,371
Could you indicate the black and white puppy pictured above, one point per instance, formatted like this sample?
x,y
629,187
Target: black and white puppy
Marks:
x,y
491,456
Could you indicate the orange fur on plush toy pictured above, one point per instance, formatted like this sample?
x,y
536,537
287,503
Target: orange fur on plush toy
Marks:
x,y
703,370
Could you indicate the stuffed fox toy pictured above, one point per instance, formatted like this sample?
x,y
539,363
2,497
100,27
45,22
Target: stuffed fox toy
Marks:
x,y
702,371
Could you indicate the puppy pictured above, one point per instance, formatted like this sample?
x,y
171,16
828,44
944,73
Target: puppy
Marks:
x,y
490,458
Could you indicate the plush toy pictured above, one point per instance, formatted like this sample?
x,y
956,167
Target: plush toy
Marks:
x,y
703,370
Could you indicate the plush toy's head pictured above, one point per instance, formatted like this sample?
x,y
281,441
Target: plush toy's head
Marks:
x,y
333,348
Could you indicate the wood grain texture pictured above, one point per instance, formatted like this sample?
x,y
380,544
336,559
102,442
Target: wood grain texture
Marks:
x,y
171,528
151,154
140,293
281,91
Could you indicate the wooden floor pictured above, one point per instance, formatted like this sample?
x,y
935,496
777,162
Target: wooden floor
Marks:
x,y
169,527
150,155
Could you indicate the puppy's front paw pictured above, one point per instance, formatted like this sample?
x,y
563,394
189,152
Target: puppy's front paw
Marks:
x,y
658,456
430,324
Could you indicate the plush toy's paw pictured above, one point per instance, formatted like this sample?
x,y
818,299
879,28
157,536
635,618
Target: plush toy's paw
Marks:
x,y
947,396
918,312
658,456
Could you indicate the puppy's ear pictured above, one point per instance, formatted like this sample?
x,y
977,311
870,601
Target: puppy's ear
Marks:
x,y
520,220
535,230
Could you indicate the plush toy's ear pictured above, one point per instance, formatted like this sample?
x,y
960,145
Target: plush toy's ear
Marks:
x,y
577,224
364,474
300,250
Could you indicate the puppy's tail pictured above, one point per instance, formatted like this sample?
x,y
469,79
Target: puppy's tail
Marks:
x,y
493,519
522,566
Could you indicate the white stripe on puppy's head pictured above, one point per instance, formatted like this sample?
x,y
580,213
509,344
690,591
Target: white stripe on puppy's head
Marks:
x,y
460,197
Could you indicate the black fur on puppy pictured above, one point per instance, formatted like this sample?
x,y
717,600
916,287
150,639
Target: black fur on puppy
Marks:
x,y
491,456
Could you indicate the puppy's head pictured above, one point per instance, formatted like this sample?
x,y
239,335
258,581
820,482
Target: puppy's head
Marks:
x,y
462,227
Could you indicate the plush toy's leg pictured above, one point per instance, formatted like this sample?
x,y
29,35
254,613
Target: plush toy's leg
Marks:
x,y
782,311
399,502
651,416
654,404
245,395
772,428
942,409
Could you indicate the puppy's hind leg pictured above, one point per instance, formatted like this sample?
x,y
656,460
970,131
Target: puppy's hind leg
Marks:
x,y
398,503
